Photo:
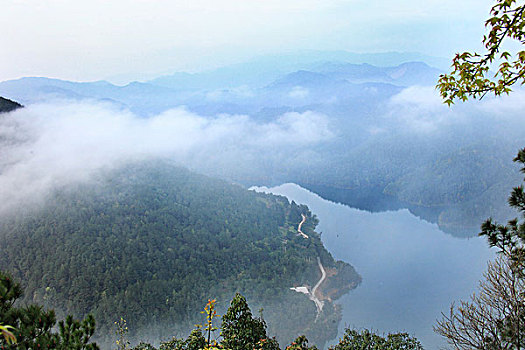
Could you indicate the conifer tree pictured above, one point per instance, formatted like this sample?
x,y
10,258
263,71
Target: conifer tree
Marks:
x,y
34,326
366,339
241,331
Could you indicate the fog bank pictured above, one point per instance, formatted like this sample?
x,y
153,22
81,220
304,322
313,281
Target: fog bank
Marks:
x,y
48,146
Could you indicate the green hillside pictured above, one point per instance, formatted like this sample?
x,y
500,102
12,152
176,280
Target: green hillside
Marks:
x,y
151,242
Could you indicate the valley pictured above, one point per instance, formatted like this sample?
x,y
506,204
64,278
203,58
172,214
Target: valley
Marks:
x,y
360,121
262,175
132,201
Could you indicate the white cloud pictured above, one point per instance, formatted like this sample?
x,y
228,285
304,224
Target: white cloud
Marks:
x,y
421,109
506,106
298,92
299,129
48,145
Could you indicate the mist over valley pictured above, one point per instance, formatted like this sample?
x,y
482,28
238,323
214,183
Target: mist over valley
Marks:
x,y
133,201
375,138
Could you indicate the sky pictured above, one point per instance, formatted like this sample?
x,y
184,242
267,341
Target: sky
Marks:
x,y
100,39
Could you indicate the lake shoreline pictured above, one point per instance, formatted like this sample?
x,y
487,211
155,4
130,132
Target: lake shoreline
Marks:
x,y
411,270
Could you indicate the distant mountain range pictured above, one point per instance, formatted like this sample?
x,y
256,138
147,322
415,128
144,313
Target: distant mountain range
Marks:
x,y
261,71
376,159
225,91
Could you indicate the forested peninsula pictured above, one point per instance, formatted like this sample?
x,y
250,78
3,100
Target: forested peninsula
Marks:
x,y
151,242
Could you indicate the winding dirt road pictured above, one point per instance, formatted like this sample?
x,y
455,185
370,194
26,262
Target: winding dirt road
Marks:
x,y
300,225
318,303
312,295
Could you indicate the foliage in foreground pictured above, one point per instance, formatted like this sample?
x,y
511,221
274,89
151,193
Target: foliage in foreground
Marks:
x,y
241,331
32,327
495,317
368,340
35,328
471,74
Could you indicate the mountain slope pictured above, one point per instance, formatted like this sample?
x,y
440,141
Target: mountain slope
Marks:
x,y
151,242
8,105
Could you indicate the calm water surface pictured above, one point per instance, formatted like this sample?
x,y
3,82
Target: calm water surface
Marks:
x,y
411,270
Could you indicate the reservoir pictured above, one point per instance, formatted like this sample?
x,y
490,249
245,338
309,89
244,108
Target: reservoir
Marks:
x,y
411,270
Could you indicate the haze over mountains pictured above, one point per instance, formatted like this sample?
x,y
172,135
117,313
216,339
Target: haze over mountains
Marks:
x,y
93,168
236,89
374,137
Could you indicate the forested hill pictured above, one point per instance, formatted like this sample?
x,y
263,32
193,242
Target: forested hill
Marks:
x,y
8,105
151,242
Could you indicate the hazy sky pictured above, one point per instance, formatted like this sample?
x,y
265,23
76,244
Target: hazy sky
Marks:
x,y
97,39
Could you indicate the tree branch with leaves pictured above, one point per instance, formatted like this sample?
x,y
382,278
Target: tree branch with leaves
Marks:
x,y
471,74
495,317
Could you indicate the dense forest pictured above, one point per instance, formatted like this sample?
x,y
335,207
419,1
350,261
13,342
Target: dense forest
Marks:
x,y
151,242
237,329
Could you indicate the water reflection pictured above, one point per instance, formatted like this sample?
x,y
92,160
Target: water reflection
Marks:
x,y
411,270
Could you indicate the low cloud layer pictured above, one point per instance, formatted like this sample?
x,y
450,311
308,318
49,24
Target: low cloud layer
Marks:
x,y
421,110
46,146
